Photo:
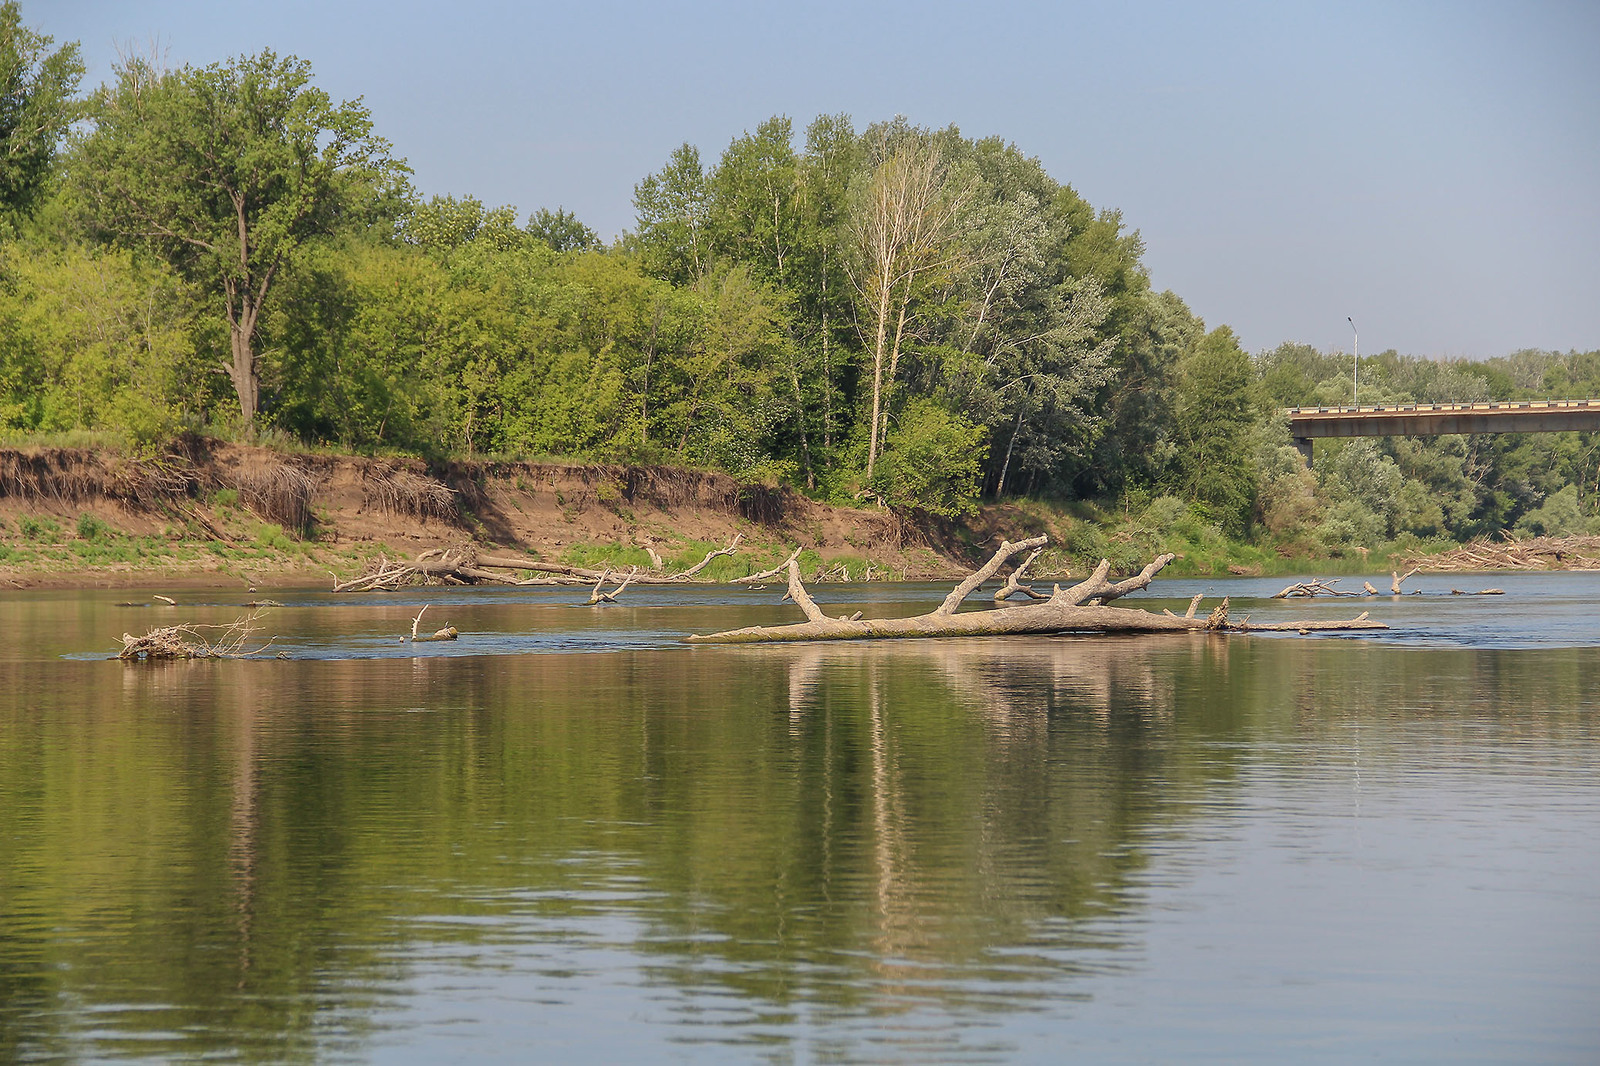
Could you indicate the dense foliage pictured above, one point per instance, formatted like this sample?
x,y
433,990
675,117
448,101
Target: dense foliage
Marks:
x,y
894,313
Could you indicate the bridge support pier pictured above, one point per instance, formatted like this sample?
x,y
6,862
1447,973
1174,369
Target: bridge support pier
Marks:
x,y
1303,446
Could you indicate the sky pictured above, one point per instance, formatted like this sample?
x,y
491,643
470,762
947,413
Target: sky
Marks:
x,y
1429,170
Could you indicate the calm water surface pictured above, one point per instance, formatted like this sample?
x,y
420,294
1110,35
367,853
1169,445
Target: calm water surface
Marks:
x,y
570,837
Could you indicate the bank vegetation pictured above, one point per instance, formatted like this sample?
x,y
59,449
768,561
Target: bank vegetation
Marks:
x,y
883,314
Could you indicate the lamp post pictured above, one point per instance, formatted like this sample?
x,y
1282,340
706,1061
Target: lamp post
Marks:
x,y
1355,366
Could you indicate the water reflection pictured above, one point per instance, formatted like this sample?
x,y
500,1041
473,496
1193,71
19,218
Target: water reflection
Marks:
x,y
864,852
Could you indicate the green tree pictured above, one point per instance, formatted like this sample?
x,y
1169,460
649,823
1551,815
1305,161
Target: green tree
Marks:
x,y
1216,414
37,89
225,172
561,230
672,210
932,460
904,223
94,340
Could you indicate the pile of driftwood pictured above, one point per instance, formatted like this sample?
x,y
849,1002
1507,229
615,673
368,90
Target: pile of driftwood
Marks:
x,y
190,641
1509,553
1309,589
1080,608
468,566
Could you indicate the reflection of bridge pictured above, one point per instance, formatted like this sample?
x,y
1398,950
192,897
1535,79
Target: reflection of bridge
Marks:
x,y
1435,419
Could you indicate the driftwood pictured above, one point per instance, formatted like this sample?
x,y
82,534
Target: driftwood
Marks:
x,y
1079,608
447,633
1399,579
1481,592
189,641
1535,553
467,566
1312,588
765,574
1014,585
598,596
732,547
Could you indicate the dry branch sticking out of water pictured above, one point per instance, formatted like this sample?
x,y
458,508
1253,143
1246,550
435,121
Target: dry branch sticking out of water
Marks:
x,y
191,641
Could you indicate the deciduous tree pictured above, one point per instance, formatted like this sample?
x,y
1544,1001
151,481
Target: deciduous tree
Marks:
x,y
226,171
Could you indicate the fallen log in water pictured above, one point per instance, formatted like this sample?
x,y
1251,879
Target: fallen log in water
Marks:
x,y
1078,609
447,633
466,566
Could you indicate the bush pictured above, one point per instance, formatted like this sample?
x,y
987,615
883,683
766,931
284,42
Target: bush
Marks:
x,y
1560,515
932,461
90,527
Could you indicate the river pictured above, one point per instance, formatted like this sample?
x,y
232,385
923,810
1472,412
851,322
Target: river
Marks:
x,y
570,837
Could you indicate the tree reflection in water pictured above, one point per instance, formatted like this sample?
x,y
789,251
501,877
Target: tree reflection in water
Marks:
x,y
280,859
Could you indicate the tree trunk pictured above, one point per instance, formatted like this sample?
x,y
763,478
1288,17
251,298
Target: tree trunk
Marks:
x,y
1080,608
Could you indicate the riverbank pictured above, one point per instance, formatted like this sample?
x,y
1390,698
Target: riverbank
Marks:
x,y
216,513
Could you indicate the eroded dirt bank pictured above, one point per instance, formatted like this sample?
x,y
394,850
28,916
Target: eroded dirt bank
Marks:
x,y
213,511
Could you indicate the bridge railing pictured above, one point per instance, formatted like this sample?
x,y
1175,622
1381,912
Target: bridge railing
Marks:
x,y
1421,408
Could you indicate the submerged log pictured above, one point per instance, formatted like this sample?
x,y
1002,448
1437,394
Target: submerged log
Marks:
x,y
447,633
1080,608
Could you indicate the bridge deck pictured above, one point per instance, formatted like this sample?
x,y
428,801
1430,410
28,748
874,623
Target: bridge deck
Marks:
x,y
1433,419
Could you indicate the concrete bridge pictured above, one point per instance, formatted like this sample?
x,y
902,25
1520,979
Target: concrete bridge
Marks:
x,y
1435,419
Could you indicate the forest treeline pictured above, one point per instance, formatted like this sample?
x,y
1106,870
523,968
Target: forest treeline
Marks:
x,y
885,312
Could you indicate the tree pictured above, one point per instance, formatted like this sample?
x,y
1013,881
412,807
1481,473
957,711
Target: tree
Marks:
x,y
903,225
1216,413
36,106
672,208
561,230
225,172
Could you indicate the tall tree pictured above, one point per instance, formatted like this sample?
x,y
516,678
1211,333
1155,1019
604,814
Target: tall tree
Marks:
x,y
903,225
672,208
226,171
36,106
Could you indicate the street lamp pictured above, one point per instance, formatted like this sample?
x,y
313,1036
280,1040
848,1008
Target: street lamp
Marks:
x,y
1356,365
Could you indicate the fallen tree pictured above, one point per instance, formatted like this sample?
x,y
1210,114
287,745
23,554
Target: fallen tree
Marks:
x,y
1078,608
468,566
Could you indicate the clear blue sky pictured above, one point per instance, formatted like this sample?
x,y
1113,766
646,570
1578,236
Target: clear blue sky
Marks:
x,y
1431,169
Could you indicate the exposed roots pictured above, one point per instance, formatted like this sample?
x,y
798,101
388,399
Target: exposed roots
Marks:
x,y
279,493
75,475
403,492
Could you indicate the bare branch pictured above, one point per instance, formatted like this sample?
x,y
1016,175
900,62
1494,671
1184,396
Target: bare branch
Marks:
x,y
988,570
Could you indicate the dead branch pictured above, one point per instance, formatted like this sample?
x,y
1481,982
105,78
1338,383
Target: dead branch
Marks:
x,y
1014,584
732,547
1397,580
189,641
1001,556
598,597
797,592
447,633
1312,588
1077,609
765,574
1095,590
1535,553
